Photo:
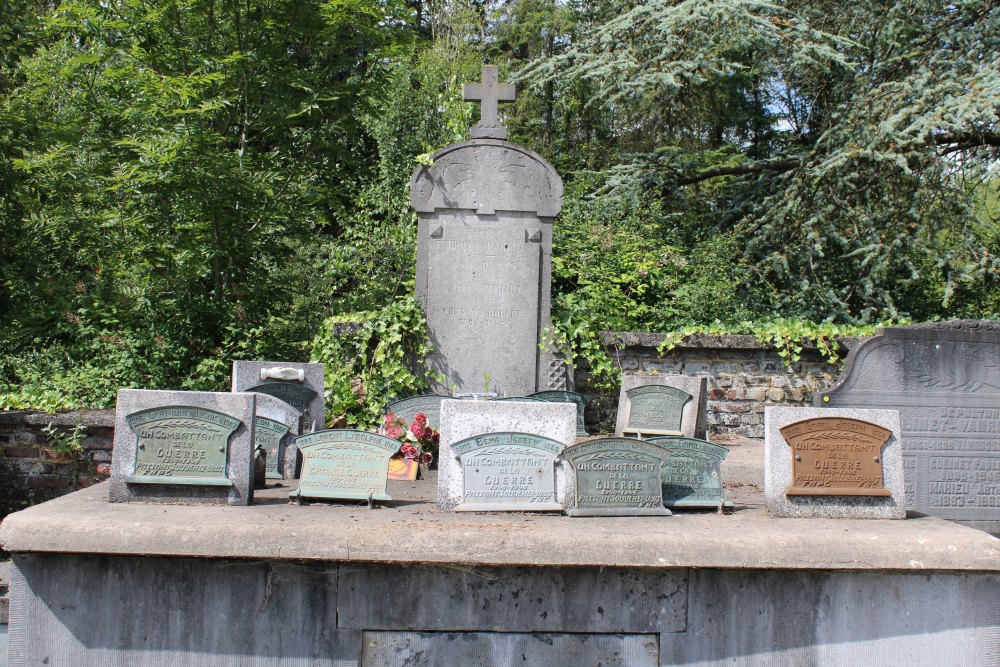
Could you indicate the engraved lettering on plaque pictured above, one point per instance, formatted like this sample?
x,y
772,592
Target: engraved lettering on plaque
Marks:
x,y
344,464
617,477
508,472
267,435
296,395
656,409
834,456
429,405
558,396
181,445
692,476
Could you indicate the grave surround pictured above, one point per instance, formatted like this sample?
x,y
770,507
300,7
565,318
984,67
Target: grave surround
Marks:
x,y
693,412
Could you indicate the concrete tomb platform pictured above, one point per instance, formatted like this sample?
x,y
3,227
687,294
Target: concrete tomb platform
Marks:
x,y
95,583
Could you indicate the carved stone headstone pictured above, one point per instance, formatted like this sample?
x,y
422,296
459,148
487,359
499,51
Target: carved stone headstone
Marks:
x,y
692,476
300,385
944,379
557,396
662,405
507,472
183,447
617,477
344,464
484,257
834,463
429,405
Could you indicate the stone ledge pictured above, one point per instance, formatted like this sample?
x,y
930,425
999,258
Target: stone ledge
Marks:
x,y
709,341
413,531
95,418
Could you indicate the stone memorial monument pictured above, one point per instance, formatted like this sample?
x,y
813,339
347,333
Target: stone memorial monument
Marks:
x,y
662,405
692,476
833,463
944,378
616,477
428,404
300,385
508,472
183,447
484,256
344,464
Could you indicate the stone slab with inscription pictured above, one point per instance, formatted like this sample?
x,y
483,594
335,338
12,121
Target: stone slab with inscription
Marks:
x,y
662,405
428,404
301,385
944,378
461,420
616,477
821,462
557,396
183,447
344,464
484,256
692,476
507,472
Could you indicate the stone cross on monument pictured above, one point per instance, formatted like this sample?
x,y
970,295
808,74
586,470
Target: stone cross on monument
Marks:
x,y
489,93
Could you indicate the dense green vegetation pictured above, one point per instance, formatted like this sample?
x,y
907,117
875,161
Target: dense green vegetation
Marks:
x,y
185,183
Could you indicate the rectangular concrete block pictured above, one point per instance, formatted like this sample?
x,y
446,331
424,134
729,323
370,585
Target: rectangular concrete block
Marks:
x,y
693,416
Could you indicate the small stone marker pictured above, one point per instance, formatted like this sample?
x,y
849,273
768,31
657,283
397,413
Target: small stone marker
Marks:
x,y
300,385
557,396
428,404
344,464
617,477
183,447
692,476
508,472
662,405
836,463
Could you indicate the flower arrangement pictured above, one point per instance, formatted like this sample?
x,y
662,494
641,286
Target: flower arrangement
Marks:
x,y
419,440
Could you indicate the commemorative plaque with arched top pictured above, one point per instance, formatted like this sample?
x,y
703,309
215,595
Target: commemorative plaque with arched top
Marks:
x,y
344,464
836,456
507,472
617,477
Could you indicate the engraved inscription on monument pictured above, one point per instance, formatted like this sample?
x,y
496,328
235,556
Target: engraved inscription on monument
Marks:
x,y
267,435
834,456
429,405
507,472
617,477
692,476
181,445
656,410
344,464
296,395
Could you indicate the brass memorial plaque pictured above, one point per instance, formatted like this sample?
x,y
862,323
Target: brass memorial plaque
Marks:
x,y
835,456
268,435
692,477
507,472
344,464
656,409
181,445
617,477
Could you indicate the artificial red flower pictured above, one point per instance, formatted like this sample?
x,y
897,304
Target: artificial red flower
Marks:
x,y
420,418
426,458
427,433
395,432
390,419
408,451
436,439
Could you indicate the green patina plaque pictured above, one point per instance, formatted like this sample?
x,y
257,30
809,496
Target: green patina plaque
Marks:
x,y
656,409
429,405
181,444
296,395
268,435
617,477
344,464
692,476
557,396
507,472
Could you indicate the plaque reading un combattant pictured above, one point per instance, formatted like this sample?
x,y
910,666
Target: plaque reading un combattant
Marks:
x,y
692,477
656,409
617,477
507,472
181,445
268,435
835,456
344,464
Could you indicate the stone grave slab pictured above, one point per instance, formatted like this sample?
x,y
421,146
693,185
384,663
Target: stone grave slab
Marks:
x,y
428,404
461,420
617,477
833,463
557,396
183,447
298,384
944,378
344,464
284,462
508,472
662,405
692,476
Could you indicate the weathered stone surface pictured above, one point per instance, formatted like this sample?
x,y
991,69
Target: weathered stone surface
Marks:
x,y
616,477
305,395
944,379
136,458
286,463
692,414
467,419
692,475
779,465
428,404
557,396
507,472
344,464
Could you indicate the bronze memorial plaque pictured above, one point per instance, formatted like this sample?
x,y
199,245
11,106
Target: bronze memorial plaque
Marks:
x,y
344,464
617,477
295,395
507,472
835,456
181,445
428,405
656,409
268,435
692,476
